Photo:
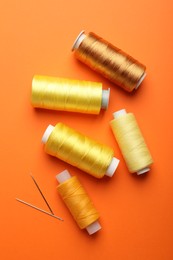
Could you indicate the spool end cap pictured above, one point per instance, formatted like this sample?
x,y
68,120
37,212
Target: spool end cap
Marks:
x,y
140,172
93,228
140,80
112,167
63,176
78,40
47,133
119,113
105,98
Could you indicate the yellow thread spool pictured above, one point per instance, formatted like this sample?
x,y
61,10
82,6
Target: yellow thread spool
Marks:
x,y
78,202
79,150
111,62
131,142
68,95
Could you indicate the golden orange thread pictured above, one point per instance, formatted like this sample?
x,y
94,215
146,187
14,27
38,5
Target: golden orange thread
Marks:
x,y
79,150
66,94
78,202
114,64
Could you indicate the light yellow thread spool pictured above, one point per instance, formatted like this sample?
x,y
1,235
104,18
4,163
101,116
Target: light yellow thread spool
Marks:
x,y
78,202
79,150
111,62
68,95
131,142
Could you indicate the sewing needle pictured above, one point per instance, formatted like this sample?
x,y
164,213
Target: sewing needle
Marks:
x,y
43,211
42,194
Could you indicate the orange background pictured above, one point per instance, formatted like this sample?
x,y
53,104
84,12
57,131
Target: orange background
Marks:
x,y
136,211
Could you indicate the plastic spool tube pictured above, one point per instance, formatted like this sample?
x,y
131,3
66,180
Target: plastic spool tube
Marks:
x,y
140,81
78,40
76,46
93,227
105,98
118,114
112,167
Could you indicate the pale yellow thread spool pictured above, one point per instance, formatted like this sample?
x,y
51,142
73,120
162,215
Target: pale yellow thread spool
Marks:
x,y
111,62
131,142
79,150
78,202
68,95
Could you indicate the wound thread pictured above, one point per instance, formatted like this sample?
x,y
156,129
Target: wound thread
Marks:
x,y
131,142
68,95
111,62
80,151
79,204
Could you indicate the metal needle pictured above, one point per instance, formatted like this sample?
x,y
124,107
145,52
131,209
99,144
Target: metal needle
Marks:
x,y
42,194
43,211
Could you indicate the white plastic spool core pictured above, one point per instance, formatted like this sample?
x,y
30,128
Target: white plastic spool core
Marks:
x,y
47,133
140,80
93,227
78,40
119,113
112,167
63,176
116,115
105,98
142,171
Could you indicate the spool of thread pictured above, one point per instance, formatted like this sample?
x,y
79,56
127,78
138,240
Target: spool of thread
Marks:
x,y
79,150
131,142
68,95
78,202
111,62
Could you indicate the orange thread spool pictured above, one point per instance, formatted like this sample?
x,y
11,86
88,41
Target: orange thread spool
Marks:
x,y
78,202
